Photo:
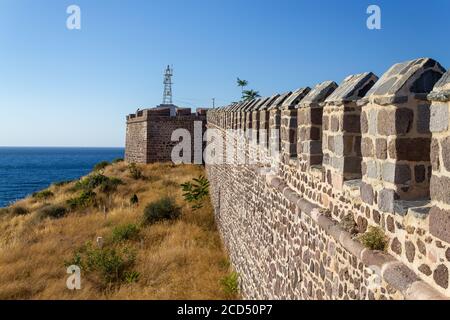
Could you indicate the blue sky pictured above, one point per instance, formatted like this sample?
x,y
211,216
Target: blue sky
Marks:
x,y
61,87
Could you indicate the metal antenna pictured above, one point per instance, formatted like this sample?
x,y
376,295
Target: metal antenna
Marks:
x,y
167,96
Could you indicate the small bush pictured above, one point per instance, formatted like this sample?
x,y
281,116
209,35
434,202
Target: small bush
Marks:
x,y
43,195
4,211
111,264
134,200
132,277
196,191
101,165
110,185
90,182
85,199
374,239
125,232
117,160
230,284
53,211
135,172
163,209
19,211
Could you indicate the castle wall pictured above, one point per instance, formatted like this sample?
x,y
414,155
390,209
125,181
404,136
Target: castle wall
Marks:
x,y
287,230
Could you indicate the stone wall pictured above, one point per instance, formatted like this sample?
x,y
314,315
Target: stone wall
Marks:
x,y
149,134
293,230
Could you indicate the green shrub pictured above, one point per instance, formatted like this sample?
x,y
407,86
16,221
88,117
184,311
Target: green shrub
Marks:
x,y
110,185
53,211
4,211
117,160
85,199
374,239
43,195
111,264
134,200
101,165
125,232
230,284
135,172
196,191
19,210
163,209
132,276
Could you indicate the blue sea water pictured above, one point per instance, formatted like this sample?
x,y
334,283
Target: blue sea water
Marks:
x,y
27,170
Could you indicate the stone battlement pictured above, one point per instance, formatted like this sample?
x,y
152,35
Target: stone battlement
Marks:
x,y
373,151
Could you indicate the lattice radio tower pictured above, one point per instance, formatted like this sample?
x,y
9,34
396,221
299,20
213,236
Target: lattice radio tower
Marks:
x,y
167,97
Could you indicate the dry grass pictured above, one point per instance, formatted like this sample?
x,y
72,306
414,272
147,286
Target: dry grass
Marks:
x,y
181,259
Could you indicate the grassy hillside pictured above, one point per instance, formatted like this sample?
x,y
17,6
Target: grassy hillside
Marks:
x,y
168,257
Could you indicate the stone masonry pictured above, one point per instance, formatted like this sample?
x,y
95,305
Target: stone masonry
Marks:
x,y
149,133
386,142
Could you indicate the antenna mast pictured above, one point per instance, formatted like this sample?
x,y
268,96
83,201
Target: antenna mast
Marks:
x,y
167,96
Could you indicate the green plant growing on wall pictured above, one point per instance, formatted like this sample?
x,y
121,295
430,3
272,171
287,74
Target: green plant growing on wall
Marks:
x,y
374,239
230,284
196,191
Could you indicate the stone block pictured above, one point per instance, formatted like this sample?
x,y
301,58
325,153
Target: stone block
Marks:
x,y
373,117
439,189
439,117
364,123
445,144
386,199
440,223
381,148
367,148
396,173
352,123
417,149
423,118
367,193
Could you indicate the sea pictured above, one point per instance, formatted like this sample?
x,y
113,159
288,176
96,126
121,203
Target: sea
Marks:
x,y
27,170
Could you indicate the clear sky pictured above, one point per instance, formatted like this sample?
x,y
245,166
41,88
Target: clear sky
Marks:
x,y
61,87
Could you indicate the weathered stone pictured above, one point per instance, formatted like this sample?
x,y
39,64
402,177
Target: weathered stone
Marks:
x,y
439,117
400,276
439,189
445,143
364,123
440,223
367,193
352,123
440,276
419,173
396,246
396,173
425,269
334,124
372,169
381,148
435,154
367,149
390,225
410,251
423,119
417,149
386,199
421,247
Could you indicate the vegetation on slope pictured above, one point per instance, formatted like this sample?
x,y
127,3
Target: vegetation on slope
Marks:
x,y
130,230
